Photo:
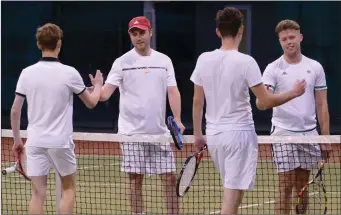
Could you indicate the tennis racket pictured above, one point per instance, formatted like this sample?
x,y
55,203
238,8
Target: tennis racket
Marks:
x,y
316,192
188,172
19,166
175,132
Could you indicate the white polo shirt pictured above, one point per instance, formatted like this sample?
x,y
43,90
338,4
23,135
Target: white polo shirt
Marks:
x,y
226,77
298,114
49,87
143,82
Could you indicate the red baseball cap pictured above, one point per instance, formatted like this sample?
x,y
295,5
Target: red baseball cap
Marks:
x,y
140,22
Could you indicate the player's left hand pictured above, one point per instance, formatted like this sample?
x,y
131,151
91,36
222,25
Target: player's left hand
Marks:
x,y
180,125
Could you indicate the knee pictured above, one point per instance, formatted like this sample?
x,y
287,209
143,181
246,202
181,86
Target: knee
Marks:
x,y
39,192
169,179
68,183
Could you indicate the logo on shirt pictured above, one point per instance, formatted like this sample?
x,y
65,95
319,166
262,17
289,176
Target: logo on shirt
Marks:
x,y
308,71
146,73
284,73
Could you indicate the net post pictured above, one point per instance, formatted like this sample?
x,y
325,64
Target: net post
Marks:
x,y
58,191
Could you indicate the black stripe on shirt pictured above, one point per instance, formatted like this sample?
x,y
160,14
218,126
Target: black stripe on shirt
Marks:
x,y
20,94
144,67
81,92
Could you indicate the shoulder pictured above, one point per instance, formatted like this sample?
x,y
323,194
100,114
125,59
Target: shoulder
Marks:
x,y
127,58
314,64
207,56
275,65
161,56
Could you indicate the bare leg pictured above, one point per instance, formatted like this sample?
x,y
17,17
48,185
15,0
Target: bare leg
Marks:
x,y
135,195
231,201
39,184
302,177
284,195
68,199
172,200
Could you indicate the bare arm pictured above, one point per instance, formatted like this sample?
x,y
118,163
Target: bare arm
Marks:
x,y
322,111
91,99
15,117
266,100
198,105
175,102
106,91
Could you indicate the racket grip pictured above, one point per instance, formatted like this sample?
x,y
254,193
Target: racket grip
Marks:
x,y
8,170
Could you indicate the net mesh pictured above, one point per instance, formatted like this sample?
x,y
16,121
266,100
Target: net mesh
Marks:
x,y
102,188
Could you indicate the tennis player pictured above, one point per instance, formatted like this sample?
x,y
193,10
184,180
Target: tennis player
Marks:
x,y
48,86
297,117
224,77
144,78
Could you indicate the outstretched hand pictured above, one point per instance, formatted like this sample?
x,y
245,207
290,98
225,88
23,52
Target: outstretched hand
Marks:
x,y
98,79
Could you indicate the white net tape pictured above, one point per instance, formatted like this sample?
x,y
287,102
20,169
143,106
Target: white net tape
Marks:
x,y
105,137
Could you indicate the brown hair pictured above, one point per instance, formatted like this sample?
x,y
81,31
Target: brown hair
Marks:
x,y
285,25
48,36
228,21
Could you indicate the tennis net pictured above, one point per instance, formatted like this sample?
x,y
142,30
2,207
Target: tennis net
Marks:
x,y
102,188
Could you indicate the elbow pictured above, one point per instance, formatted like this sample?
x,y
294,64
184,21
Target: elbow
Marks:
x,y
91,105
261,105
15,114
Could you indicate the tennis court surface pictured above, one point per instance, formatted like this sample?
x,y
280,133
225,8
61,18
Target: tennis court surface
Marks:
x,y
102,188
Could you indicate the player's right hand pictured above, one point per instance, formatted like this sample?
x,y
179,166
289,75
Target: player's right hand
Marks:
x,y
299,88
199,142
98,79
18,147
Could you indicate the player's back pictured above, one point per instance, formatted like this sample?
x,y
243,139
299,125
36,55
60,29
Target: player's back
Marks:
x,y
226,77
47,86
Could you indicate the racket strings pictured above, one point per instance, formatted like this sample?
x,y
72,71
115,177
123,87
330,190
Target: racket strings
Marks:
x,y
187,175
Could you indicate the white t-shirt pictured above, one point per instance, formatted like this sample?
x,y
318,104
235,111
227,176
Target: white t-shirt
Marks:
x,y
226,77
49,87
298,114
143,82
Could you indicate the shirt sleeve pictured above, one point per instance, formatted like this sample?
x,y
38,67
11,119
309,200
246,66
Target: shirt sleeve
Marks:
x,y
196,76
253,74
21,85
269,78
115,76
320,81
171,80
76,83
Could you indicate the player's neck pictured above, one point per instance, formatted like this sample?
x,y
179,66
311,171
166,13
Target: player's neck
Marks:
x,y
53,54
144,52
229,44
293,59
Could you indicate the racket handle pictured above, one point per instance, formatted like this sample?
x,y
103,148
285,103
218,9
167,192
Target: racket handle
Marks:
x,y
8,170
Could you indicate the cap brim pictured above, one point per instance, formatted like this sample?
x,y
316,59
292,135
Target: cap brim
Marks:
x,y
142,27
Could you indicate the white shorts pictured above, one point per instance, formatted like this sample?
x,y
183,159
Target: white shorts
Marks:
x,y
39,160
151,158
289,156
235,155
